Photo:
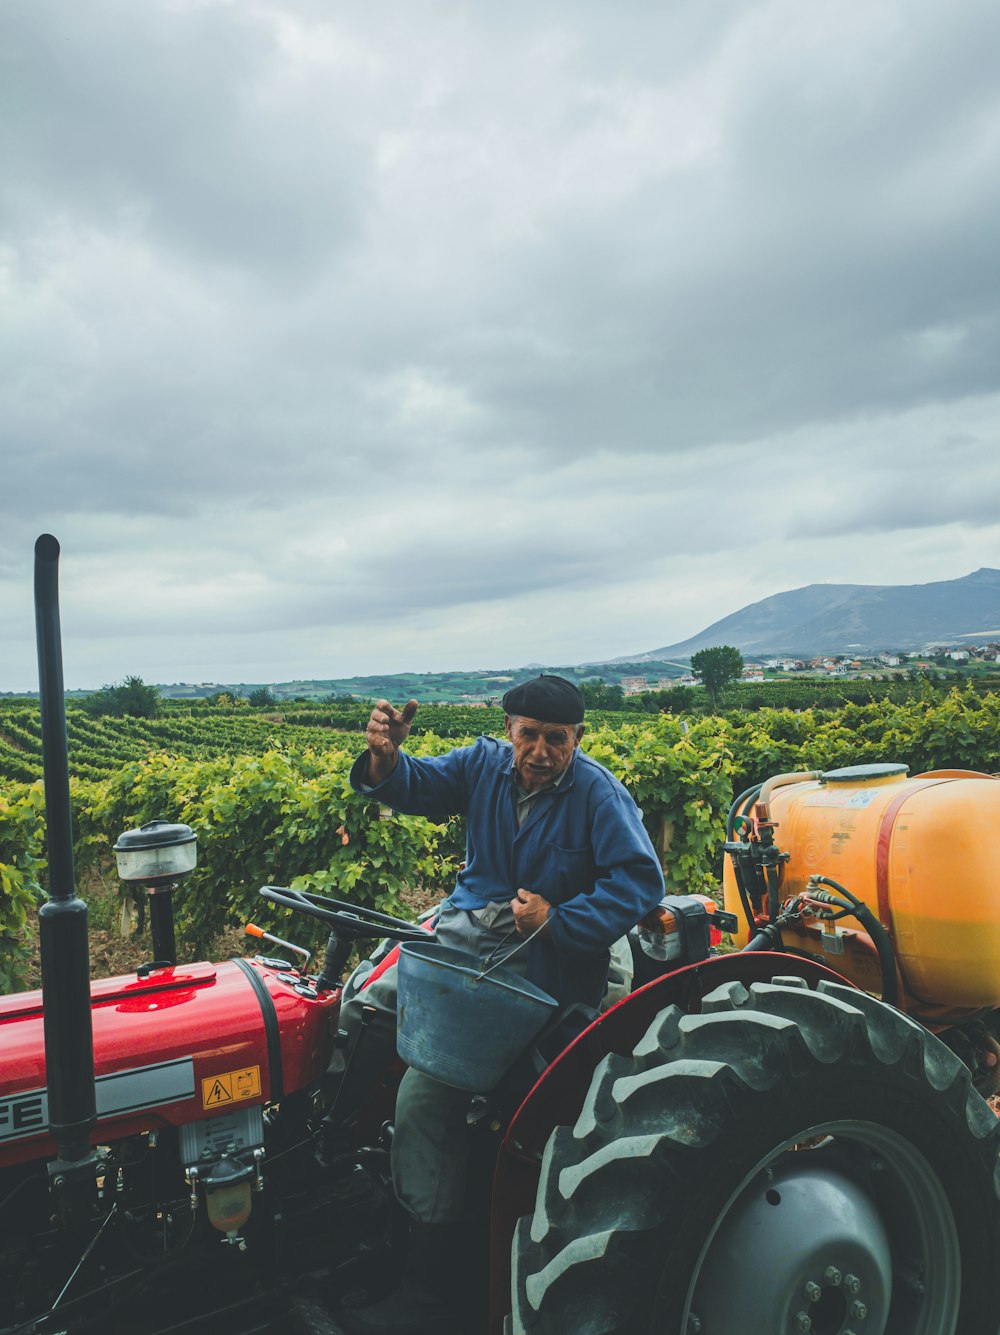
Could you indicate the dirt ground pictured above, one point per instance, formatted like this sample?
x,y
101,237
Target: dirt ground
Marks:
x,y
117,947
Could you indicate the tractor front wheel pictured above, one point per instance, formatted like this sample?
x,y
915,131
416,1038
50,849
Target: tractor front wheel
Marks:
x,y
786,1161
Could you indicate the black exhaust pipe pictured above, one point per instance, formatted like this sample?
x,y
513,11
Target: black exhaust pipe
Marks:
x,y
62,924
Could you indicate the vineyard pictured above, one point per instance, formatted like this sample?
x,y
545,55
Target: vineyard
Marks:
x,y
99,747
269,798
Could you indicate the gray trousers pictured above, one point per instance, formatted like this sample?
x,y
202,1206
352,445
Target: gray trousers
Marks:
x,y
433,1141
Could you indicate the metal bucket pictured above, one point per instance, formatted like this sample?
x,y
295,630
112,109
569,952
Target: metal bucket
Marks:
x,y
459,1022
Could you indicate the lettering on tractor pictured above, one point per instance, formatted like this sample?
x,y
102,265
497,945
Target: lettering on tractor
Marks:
x,y
22,1116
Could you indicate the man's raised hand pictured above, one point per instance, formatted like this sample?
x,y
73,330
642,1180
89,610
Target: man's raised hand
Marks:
x,y
387,730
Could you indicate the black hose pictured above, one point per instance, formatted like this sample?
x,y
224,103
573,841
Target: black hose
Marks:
x,y
741,886
741,890
752,795
752,791
878,934
766,938
773,901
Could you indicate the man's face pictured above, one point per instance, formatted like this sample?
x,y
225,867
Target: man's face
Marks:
x,y
541,750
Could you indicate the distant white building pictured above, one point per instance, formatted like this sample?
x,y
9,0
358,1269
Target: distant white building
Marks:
x,y
889,660
959,655
634,685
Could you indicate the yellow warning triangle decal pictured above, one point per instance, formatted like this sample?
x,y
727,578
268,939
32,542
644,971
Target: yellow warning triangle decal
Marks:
x,y
218,1094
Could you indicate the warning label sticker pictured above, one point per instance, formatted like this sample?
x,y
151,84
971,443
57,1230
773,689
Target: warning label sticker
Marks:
x,y
231,1087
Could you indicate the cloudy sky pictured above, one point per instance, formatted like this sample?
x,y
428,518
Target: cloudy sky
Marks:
x,y
352,337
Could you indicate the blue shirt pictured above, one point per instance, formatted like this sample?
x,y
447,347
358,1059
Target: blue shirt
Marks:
x,y
582,847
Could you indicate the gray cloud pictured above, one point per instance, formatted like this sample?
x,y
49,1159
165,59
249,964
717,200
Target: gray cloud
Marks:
x,y
462,329
159,118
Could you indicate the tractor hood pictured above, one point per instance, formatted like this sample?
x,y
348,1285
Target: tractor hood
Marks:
x,y
181,1045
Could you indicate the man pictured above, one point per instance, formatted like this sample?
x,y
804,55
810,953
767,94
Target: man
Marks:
x,y
556,851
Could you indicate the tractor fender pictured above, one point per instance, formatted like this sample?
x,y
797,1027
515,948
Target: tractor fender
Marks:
x,y
788,1158
558,1095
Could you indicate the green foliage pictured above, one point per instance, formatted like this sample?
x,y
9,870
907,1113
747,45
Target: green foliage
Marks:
x,y
676,700
823,693
599,694
681,778
282,817
716,667
262,697
961,731
271,803
21,864
101,747
130,698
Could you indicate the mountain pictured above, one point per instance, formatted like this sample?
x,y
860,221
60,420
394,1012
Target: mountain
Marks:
x,y
856,618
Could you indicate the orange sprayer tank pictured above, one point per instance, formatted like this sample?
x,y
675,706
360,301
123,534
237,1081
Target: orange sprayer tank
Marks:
x,y
920,852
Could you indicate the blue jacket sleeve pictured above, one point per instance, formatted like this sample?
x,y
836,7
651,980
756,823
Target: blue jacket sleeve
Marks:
x,y
430,786
629,882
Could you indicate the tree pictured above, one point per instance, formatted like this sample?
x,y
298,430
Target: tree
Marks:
x,y
680,700
716,667
262,698
130,697
598,694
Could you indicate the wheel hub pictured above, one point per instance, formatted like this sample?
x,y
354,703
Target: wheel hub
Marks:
x,y
829,1314
804,1248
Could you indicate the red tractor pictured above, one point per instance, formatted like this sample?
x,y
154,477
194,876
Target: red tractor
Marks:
x,y
747,1142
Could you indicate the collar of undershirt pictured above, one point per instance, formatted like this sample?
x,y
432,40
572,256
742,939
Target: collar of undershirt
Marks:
x,y
522,792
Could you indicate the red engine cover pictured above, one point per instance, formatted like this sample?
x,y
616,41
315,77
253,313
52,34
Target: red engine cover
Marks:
x,y
178,1046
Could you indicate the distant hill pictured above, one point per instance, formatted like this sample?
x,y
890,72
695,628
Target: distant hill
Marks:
x,y
817,619
427,687
859,618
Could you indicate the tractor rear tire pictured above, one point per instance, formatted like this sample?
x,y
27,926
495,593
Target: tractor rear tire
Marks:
x,y
787,1160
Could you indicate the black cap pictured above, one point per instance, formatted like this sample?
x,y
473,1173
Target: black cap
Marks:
x,y
548,699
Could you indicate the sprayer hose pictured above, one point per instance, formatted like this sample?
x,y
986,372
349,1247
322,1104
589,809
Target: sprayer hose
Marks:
x,y
878,934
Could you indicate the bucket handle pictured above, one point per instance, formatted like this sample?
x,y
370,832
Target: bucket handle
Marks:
x,y
527,941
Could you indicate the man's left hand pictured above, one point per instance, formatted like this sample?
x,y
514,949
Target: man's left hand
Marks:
x,y
530,911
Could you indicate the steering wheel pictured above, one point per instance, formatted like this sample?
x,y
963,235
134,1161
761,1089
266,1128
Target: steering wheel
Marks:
x,y
350,919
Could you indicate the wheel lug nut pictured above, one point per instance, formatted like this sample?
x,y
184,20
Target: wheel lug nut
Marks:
x,y
803,1321
851,1283
832,1276
812,1292
859,1310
